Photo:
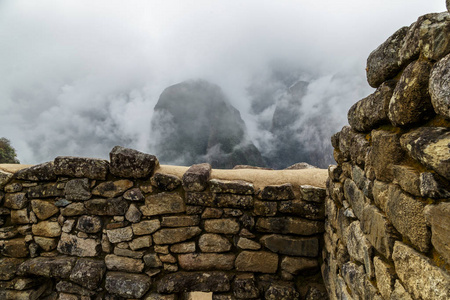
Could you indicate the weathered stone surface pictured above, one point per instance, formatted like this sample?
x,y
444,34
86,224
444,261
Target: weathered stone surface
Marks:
x,y
420,277
119,235
8,232
377,230
47,244
438,216
89,224
371,111
121,263
16,200
211,242
433,186
47,229
72,245
277,192
380,194
43,209
386,151
384,62
127,285
165,182
384,274
430,146
296,265
359,247
156,296
357,281
257,261
180,221
297,246
411,102
163,203
231,186
202,199
111,189
88,272
281,291
288,225
5,177
175,235
194,281
308,210
31,294
440,87
45,191
9,267
20,216
128,253
224,226
406,214
265,208
399,292
81,167
133,195
133,214
244,287
195,179
13,187
60,267
353,145
183,247
107,207
130,163
41,172
74,209
206,261
245,243
233,200
140,242
431,31
146,227
77,189
408,179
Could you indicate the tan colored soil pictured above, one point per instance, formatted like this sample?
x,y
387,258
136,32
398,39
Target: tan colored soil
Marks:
x,y
13,168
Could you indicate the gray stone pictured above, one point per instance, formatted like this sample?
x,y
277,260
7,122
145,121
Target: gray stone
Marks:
x,y
127,285
69,287
183,247
296,265
433,186
165,182
89,224
420,277
231,186
62,202
281,291
119,235
107,207
121,263
74,209
277,192
307,210
195,179
180,221
247,244
297,246
211,242
81,167
430,146
440,87
73,245
146,227
152,260
406,214
206,261
438,216
224,226
111,189
411,102
359,247
133,214
60,267
130,163
371,111
288,225
46,191
233,200
385,276
43,209
163,203
312,193
77,189
257,261
244,286
202,199
88,272
47,229
194,281
133,195
175,235
16,200
41,172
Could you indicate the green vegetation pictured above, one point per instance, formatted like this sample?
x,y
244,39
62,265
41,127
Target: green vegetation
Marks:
x,y
7,152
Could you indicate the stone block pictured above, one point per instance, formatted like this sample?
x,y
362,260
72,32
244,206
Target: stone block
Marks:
x,y
73,245
206,261
43,209
165,182
175,235
187,247
140,242
247,244
440,87
77,189
47,244
163,203
47,229
385,277
146,227
91,168
201,199
88,272
89,224
305,209
257,261
127,285
277,192
438,216
112,189
9,267
399,292
125,264
130,163
231,187
386,151
245,287
359,247
20,216
107,207
233,200
289,225
74,209
296,265
41,172
224,226
119,235
194,281
433,186
281,291
46,190
265,208
69,287
196,178
297,246
380,194
133,214
211,242
16,200
180,221
60,267
134,194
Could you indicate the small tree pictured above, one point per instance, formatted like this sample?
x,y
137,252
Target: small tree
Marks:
x,y
7,152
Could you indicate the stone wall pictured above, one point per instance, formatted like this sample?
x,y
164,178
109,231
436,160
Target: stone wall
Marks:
x,y
80,228
388,204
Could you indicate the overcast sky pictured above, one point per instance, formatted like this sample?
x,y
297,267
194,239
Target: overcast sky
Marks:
x,y
78,77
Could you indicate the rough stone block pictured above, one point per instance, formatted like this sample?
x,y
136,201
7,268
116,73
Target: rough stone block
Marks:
x,y
245,287
202,199
355,197
231,187
257,261
146,227
163,203
133,195
195,179
438,216
16,200
47,229
206,261
119,235
121,263
433,186
288,225
175,235
73,245
60,267
210,242
386,151
130,163
127,285
41,172
291,245
440,87
233,200
224,226
194,281
46,191
385,277
9,267
296,265
188,247
81,167
165,182
277,192
107,207
43,209
77,189
88,272
359,247
89,224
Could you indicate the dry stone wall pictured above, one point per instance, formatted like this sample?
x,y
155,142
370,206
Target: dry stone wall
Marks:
x,y
81,228
387,232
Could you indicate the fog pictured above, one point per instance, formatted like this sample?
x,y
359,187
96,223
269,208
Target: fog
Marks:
x,y
79,77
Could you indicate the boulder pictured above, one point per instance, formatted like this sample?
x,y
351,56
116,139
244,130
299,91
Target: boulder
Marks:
x,y
81,167
130,163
